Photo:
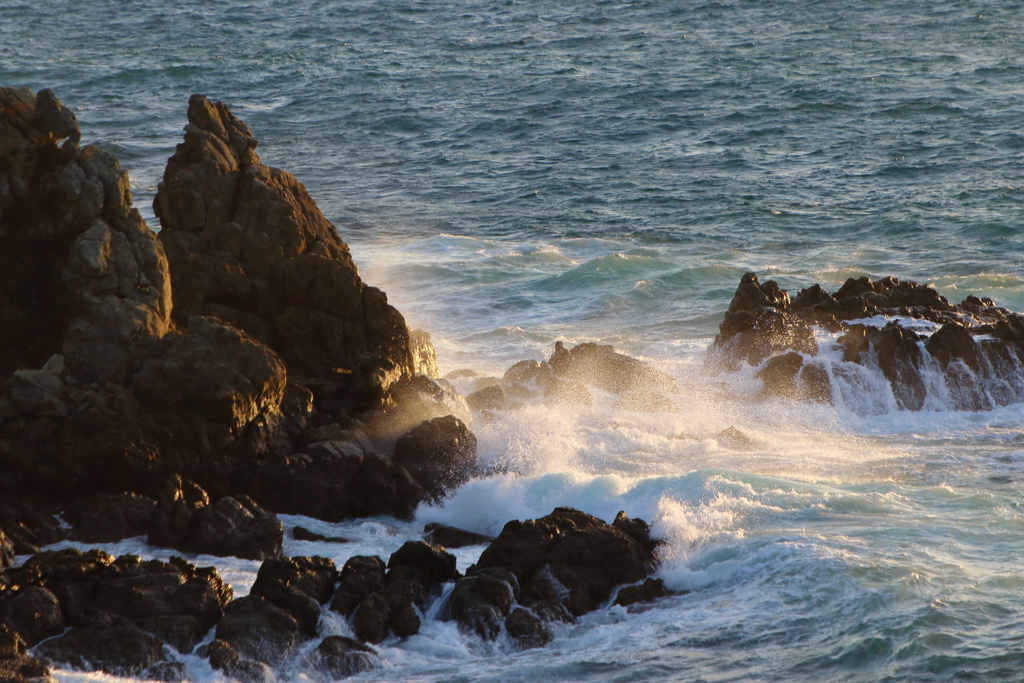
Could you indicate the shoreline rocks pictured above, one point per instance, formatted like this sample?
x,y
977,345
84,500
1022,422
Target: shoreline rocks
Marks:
x,y
87,610
974,354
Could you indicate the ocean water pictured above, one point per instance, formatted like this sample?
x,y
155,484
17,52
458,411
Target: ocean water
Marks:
x,y
517,172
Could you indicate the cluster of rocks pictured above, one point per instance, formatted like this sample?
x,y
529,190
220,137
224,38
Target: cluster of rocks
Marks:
x,y
978,348
568,376
91,611
187,386
238,348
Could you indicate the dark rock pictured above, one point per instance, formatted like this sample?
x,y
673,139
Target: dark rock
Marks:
x,y
340,657
235,526
16,666
34,613
527,372
898,354
238,230
7,553
489,398
184,519
648,591
405,621
224,658
297,585
480,602
450,537
172,519
568,558
360,576
174,600
440,454
109,518
413,400
602,367
636,528
300,533
527,629
259,630
371,618
954,342
779,374
28,526
110,644
431,564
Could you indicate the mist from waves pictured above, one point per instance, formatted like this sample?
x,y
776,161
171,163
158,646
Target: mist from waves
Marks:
x,y
829,543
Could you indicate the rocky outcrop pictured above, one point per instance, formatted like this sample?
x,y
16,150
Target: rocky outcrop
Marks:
x,y
172,602
380,602
555,568
972,362
240,348
247,244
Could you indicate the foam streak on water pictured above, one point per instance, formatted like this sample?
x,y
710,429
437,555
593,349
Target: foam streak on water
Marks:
x,y
520,172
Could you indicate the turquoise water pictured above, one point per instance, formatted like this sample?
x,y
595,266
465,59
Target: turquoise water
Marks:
x,y
515,173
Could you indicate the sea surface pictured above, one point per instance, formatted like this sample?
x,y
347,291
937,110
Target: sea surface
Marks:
x,y
518,172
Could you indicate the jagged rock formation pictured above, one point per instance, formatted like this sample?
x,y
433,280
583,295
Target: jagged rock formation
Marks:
x,y
239,348
974,360
247,244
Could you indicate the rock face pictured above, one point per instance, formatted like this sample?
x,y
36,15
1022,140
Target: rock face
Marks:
x,y
974,360
238,349
246,244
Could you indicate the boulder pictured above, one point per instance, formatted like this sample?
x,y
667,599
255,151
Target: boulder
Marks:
x,y
558,567
301,533
360,576
340,657
109,518
439,453
224,658
298,585
600,366
108,643
648,591
185,519
259,630
235,526
480,603
527,629
451,537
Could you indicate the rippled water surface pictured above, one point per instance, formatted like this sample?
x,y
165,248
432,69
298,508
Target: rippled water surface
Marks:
x,y
513,173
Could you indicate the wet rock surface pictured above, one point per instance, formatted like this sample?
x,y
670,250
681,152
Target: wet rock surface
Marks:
x,y
973,359
555,568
